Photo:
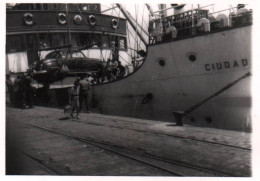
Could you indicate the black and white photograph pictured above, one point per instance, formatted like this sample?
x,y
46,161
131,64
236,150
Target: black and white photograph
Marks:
x,y
149,89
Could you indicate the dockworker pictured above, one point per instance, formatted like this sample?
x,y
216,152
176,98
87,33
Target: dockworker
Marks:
x,y
22,88
10,88
18,92
83,93
74,99
28,91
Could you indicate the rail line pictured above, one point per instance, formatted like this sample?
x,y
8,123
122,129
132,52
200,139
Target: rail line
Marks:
x,y
38,161
173,167
165,134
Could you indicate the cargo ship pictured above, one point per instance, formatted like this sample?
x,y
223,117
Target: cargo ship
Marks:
x,y
195,68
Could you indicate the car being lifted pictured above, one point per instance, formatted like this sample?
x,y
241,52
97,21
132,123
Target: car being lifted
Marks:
x,y
62,63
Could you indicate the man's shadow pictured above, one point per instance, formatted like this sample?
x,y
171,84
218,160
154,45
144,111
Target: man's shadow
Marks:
x,y
64,118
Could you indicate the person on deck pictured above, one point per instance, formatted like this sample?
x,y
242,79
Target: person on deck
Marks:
x,y
74,99
121,70
112,68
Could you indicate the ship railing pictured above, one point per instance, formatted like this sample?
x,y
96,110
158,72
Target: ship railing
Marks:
x,y
187,28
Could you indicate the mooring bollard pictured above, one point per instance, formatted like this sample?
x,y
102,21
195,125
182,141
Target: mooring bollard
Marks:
x,y
178,116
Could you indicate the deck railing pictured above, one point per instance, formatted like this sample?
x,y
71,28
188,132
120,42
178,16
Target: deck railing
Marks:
x,y
194,23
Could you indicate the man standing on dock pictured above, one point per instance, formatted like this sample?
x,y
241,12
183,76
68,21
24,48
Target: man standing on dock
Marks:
x,y
83,94
10,88
74,99
28,91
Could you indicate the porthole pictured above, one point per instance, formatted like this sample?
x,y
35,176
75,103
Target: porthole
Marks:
x,y
192,58
114,23
162,63
92,20
62,18
28,18
77,19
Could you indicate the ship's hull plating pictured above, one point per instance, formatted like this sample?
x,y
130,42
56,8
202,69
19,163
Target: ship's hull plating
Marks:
x,y
221,58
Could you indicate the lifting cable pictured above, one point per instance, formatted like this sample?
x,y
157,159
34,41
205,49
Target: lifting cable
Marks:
x,y
135,39
142,22
67,11
133,49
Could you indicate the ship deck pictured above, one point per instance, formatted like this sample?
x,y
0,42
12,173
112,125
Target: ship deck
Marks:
x,y
44,141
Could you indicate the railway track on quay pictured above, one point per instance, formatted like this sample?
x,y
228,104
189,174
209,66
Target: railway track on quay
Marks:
x,y
34,160
171,135
99,145
171,167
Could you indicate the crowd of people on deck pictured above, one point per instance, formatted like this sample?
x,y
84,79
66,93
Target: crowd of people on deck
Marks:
x,y
20,91
111,70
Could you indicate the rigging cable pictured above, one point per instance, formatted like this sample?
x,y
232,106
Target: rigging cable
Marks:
x,y
131,49
118,41
117,20
107,49
128,37
67,11
142,26
82,15
136,16
124,60
134,40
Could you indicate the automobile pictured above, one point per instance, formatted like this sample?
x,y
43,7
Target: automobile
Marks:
x,y
59,64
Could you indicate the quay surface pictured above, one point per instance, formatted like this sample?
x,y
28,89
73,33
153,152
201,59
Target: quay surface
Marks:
x,y
34,147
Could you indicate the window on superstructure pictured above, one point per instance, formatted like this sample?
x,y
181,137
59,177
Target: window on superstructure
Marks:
x,y
83,39
73,7
95,40
122,43
55,6
44,40
113,39
104,41
84,7
58,39
75,39
38,6
63,7
31,41
14,43
45,6
91,8
29,6
35,6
